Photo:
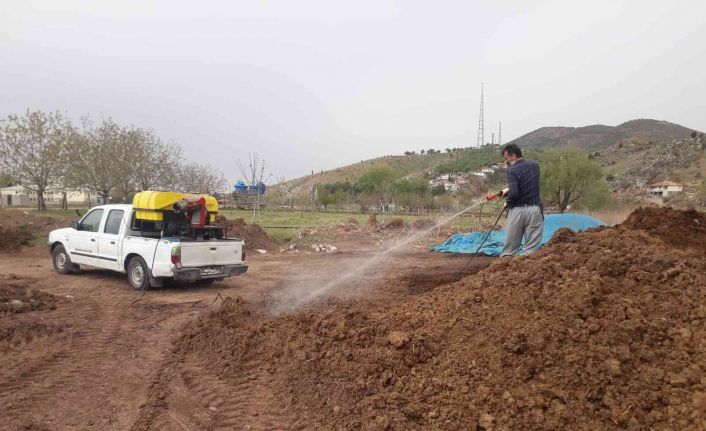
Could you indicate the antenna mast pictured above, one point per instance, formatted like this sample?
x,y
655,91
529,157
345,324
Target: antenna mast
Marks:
x,y
481,128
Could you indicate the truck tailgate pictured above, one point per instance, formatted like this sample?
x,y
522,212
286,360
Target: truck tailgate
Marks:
x,y
211,253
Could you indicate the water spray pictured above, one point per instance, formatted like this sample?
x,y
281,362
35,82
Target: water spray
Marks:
x,y
370,262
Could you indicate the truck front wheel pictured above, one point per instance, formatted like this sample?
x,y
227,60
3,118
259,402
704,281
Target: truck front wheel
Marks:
x,y
138,274
62,261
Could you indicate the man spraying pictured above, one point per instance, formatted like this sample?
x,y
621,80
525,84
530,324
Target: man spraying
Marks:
x,y
522,199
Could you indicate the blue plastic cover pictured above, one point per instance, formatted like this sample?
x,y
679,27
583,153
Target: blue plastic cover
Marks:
x,y
469,242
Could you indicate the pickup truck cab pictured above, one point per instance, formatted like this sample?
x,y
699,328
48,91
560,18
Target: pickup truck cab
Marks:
x,y
108,237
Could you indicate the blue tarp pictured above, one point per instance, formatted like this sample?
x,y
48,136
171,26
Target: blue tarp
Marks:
x,y
469,242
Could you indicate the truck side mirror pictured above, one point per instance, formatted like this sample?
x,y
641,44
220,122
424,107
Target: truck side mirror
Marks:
x,y
76,225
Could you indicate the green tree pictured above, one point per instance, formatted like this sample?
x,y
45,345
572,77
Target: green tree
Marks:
x,y
34,150
438,190
418,186
378,181
324,197
568,176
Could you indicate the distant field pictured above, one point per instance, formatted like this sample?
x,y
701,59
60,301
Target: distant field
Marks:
x,y
283,225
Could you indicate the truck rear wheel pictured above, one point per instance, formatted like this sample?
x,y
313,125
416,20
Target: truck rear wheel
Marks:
x,y
138,274
62,261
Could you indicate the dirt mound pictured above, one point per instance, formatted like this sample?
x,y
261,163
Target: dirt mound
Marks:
x,y
423,224
335,229
394,224
13,238
16,297
599,330
678,228
254,235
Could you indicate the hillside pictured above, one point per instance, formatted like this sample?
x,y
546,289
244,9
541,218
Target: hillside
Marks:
x,y
461,159
632,154
598,137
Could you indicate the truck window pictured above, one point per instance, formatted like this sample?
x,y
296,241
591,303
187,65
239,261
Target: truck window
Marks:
x,y
92,221
112,224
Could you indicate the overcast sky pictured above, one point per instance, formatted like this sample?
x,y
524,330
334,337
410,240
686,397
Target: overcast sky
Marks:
x,y
316,85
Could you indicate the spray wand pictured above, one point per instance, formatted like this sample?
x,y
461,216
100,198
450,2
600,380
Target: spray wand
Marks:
x,y
489,197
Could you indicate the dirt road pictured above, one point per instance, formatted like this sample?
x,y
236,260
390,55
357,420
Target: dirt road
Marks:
x,y
102,359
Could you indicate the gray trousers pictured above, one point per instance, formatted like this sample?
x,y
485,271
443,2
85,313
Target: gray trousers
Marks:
x,y
527,222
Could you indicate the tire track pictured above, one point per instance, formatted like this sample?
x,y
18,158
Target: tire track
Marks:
x,y
41,382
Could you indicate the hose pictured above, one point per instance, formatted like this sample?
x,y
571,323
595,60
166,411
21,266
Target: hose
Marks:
x,y
482,243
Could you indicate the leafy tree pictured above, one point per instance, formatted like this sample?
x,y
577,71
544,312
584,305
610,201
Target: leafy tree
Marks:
x,y
198,178
5,180
568,176
101,158
418,186
33,150
378,181
324,197
421,152
156,162
438,190
333,193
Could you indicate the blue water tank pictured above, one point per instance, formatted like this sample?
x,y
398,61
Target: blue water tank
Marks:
x,y
240,187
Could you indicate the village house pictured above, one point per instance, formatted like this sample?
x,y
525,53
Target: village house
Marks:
x,y
664,188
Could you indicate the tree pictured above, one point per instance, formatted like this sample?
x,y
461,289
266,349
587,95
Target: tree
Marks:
x,y
101,157
377,180
418,186
438,190
156,163
568,176
421,152
5,180
201,179
33,150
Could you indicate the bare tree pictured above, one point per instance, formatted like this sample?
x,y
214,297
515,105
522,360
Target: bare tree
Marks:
x,y
156,165
253,170
33,150
101,158
198,178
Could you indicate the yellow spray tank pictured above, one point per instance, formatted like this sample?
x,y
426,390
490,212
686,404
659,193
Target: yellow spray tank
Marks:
x,y
151,205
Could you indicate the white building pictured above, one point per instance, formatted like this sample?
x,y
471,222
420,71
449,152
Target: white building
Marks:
x,y
20,196
664,188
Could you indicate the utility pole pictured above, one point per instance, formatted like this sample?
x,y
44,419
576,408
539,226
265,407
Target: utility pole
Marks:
x,y
500,132
481,128
492,138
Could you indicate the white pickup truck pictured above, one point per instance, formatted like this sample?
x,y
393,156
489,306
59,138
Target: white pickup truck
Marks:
x,y
108,237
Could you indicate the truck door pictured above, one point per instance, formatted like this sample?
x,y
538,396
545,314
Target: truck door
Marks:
x,y
109,240
83,243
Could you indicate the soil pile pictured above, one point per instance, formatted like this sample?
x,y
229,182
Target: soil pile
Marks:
x,y
686,229
12,238
603,329
423,224
254,235
394,224
16,297
345,228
